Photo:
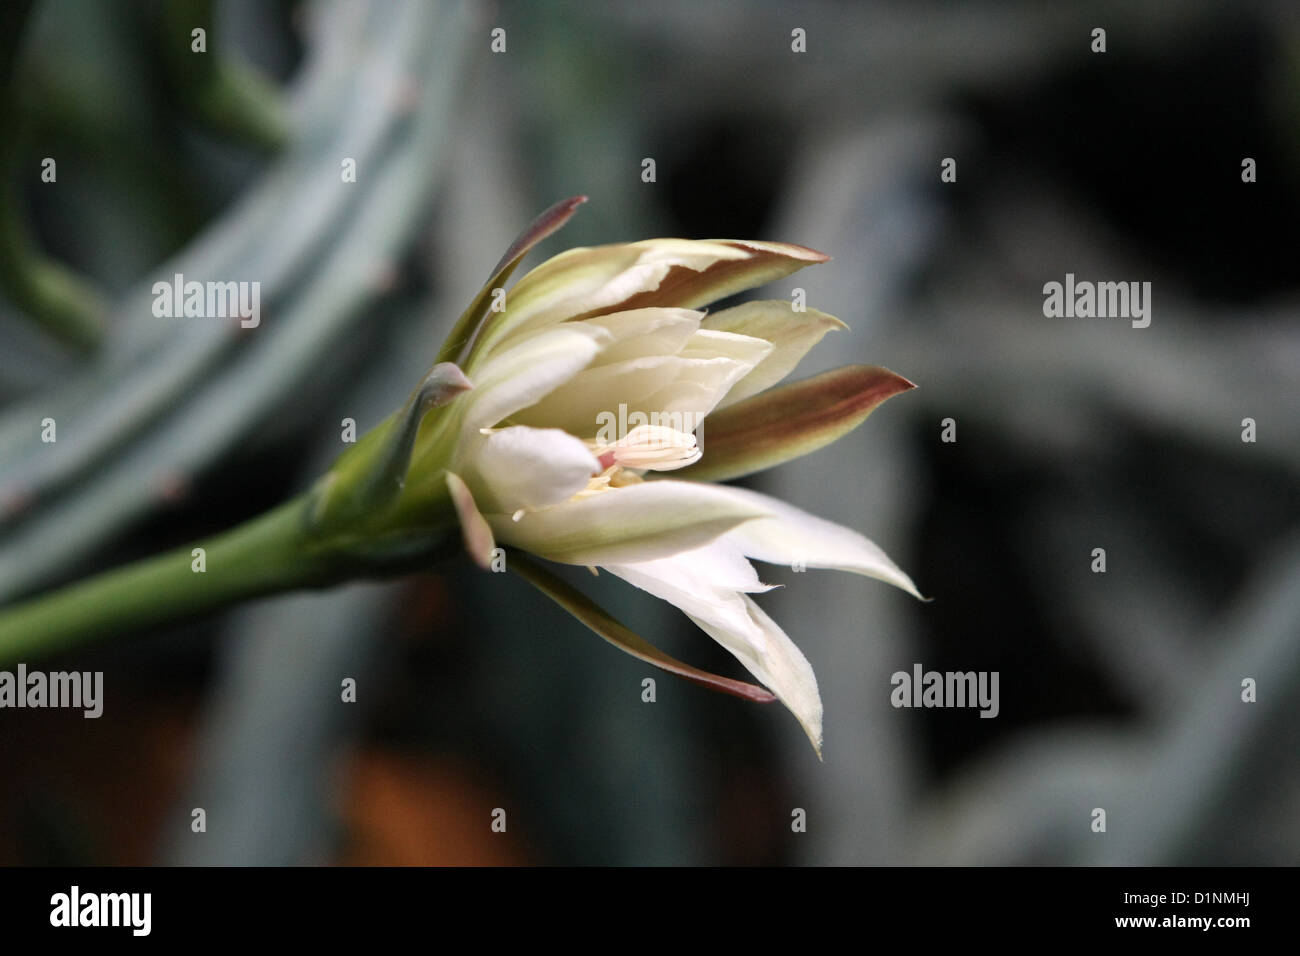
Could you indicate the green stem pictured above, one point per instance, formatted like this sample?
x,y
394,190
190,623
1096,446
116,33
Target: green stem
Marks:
x,y
270,553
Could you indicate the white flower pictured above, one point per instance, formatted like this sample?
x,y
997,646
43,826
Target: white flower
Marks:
x,y
613,335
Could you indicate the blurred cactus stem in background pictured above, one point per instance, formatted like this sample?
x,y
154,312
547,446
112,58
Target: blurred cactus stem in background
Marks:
x,y
230,97
64,305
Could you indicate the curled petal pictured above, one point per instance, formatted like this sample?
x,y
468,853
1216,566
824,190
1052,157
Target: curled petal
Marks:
x,y
685,287
595,281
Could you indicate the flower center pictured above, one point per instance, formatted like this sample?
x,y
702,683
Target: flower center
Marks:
x,y
650,448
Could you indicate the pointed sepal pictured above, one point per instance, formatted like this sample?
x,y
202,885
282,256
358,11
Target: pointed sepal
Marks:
x,y
467,329
475,531
790,421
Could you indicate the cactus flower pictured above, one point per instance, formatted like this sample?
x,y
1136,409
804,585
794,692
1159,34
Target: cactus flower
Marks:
x,y
578,441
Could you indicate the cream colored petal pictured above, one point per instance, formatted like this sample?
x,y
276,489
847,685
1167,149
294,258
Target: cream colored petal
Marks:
x,y
706,346
644,332
713,571
791,333
761,262
702,583
769,654
649,386
610,629
698,386
529,468
582,403
640,522
748,350
790,536
591,280
520,376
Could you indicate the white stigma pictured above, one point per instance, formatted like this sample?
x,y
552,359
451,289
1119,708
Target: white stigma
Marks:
x,y
653,448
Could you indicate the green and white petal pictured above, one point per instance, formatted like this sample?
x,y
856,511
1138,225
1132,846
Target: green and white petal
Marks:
x,y
595,280
691,288
641,522
791,333
523,374
529,468
702,584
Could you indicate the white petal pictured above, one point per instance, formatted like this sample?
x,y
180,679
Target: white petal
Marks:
x,y
776,661
789,536
711,366
529,468
660,384
710,343
524,373
713,571
583,403
641,332
701,583
638,522
792,333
